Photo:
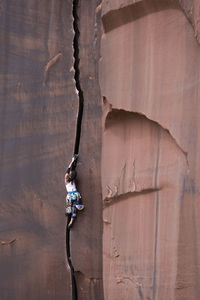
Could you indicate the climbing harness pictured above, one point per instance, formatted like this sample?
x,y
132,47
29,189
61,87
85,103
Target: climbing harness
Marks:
x,y
73,203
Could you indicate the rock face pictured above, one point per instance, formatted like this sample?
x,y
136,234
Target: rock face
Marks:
x,y
139,149
86,236
38,115
149,75
38,104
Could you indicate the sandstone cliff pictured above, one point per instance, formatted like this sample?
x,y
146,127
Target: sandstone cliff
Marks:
x,y
38,110
138,168
150,163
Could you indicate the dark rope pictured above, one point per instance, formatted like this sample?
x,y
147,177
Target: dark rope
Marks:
x,y
78,135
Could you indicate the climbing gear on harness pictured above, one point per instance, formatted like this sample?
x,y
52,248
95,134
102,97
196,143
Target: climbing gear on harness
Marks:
x,y
71,192
74,197
68,210
73,203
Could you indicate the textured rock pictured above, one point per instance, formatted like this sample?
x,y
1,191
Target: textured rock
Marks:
x,y
191,9
149,75
86,235
38,111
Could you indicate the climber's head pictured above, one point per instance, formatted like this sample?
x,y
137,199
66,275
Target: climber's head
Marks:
x,y
72,175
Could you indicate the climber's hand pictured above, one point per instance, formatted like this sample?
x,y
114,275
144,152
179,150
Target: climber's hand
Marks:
x,y
75,157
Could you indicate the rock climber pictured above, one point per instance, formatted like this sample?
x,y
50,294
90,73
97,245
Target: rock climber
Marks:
x,y
73,198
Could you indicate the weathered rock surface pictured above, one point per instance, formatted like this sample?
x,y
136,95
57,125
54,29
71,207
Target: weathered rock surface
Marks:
x,y
86,236
149,74
38,118
38,121
148,173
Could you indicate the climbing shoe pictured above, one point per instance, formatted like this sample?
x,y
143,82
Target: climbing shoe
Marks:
x,y
80,206
70,223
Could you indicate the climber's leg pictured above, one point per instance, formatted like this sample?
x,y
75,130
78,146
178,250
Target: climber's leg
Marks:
x,y
74,214
68,204
79,204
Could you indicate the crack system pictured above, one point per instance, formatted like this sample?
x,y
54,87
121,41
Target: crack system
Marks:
x,y
77,75
78,130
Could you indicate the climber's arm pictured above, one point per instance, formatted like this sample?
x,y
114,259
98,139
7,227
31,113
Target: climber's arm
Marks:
x,y
70,167
66,178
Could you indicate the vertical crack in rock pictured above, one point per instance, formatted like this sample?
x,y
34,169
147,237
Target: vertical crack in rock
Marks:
x,y
74,286
78,129
77,74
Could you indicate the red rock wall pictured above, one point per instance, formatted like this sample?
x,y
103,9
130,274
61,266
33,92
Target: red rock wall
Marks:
x,y
38,112
86,236
149,75
147,172
38,105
